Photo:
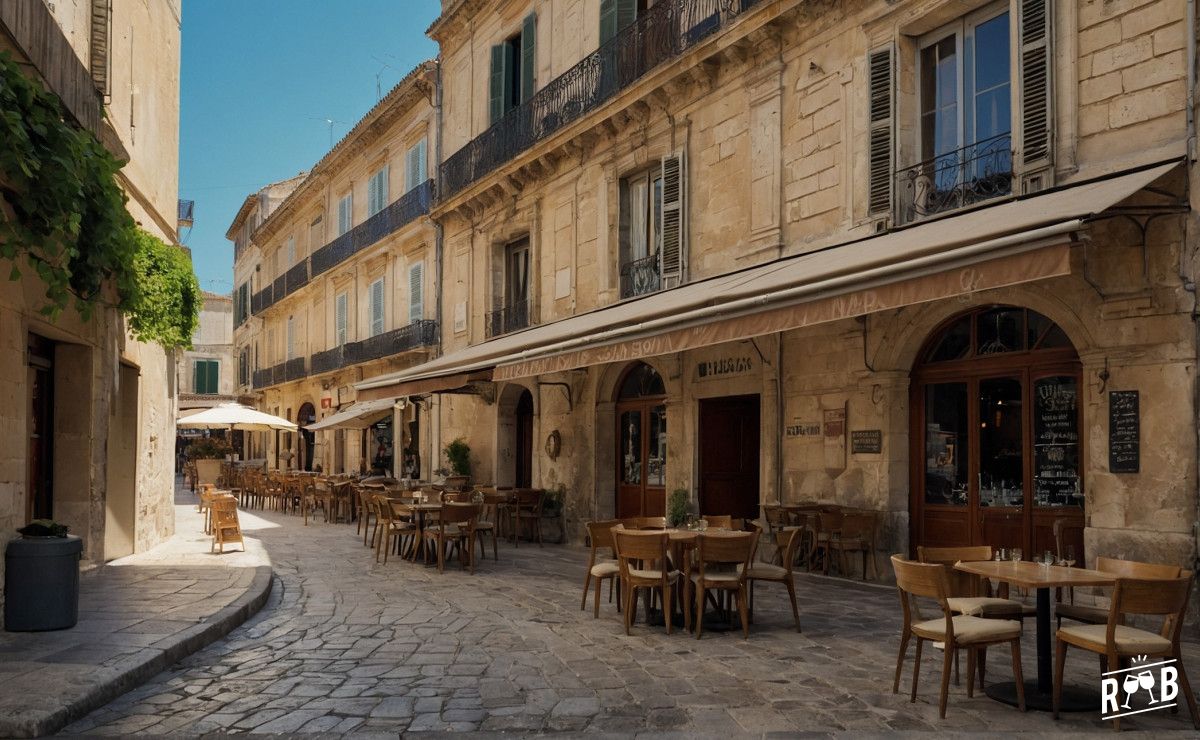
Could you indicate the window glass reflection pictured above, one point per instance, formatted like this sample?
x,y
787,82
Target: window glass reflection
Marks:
x,y
1056,442
1001,461
946,444
631,447
656,463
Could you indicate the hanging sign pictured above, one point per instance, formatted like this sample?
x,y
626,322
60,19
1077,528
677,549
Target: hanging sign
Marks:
x,y
1124,432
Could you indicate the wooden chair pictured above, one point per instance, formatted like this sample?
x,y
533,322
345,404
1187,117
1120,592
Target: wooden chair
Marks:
x,y
600,536
651,522
455,527
718,521
787,541
968,594
731,553
366,509
528,510
225,526
827,524
642,562
489,522
392,530
1122,569
1166,598
962,632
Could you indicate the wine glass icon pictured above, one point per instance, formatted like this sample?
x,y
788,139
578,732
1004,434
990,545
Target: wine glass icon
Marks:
x,y
1146,680
1130,685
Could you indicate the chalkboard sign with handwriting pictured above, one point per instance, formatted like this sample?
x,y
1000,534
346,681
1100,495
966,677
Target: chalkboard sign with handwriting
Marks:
x,y
1124,432
1056,442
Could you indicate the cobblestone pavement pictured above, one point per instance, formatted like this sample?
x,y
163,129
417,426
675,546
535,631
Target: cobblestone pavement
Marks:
x,y
347,646
137,616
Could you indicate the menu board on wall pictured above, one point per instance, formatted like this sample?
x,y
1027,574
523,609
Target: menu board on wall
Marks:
x,y
1056,442
1124,432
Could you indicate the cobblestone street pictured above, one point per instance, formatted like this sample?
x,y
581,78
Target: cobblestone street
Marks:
x,y
347,646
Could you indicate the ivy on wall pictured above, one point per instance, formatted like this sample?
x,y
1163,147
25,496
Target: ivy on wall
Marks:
x,y
64,216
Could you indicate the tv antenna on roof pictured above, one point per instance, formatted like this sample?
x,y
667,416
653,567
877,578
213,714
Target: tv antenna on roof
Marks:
x,y
379,75
330,122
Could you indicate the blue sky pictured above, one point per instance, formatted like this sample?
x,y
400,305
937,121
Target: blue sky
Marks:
x,y
254,77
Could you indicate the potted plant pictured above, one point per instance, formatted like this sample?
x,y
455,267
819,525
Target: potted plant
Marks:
x,y
458,453
208,454
678,507
41,578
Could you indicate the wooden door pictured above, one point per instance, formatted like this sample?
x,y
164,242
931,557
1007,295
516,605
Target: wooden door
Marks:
x,y
524,441
641,458
729,456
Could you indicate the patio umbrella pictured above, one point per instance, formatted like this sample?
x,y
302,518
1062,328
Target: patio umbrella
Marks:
x,y
235,416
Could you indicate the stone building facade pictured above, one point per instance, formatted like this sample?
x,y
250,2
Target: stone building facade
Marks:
x,y
333,283
87,430
206,373
930,258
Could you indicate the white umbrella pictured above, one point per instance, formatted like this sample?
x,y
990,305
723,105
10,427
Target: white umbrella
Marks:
x,y
235,416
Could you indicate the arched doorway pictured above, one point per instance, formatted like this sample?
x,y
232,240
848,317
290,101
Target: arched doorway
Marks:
x,y
997,434
523,419
305,416
641,443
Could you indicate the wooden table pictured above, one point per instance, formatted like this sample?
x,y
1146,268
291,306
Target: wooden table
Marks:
x,y
1039,694
420,516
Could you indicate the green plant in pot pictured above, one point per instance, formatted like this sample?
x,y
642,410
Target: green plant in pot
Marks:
x,y
208,448
552,502
678,507
458,453
44,528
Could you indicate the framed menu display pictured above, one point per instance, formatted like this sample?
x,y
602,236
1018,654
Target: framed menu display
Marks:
x,y
1124,432
1056,441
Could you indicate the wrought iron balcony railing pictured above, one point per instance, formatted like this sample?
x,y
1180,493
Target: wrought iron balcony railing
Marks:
x,y
263,378
295,368
508,319
663,32
422,333
187,212
640,277
402,211
973,174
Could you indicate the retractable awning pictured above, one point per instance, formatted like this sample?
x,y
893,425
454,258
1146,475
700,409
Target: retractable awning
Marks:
x,y
1013,242
358,415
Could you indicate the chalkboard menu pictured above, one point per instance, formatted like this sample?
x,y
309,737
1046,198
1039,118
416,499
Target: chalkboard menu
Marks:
x,y
1056,442
1124,432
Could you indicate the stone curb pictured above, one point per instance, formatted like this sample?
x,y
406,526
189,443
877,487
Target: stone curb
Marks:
x,y
145,664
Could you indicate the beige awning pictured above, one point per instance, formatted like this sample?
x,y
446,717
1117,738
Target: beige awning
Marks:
x,y
359,415
426,384
1012,242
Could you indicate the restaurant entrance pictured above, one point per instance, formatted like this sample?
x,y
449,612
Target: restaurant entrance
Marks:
x,y
641,443
307,415
996,433
729,456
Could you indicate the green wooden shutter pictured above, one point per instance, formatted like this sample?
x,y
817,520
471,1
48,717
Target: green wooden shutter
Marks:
x,y
626,13
214,372
528,55
879,145
496,83
1036,91
608,19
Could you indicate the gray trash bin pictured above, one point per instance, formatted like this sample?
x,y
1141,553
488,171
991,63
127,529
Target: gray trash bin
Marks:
x,y
41,583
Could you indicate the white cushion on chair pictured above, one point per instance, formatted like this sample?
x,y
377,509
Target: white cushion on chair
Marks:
x,y
652,574
605,569
969,629
984,606
1129,640
767,571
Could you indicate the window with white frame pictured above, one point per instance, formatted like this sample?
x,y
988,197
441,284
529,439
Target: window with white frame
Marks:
x,y
640,232
375,307
345,213
291,337
291,252
341,318
377,191
415,165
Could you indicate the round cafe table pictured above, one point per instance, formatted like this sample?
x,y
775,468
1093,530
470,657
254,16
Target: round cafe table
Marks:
x,y
1039,693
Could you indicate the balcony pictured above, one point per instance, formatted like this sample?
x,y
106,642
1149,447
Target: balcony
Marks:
x,y
404,210
187,212
295,278
640,277
955,180
666,30
423,333
295,368
508,319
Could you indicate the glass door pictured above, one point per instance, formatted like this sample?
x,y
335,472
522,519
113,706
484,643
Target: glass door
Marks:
x,y
1000,480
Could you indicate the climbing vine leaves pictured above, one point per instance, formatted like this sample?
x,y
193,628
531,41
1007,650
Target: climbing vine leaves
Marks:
x,y
63,216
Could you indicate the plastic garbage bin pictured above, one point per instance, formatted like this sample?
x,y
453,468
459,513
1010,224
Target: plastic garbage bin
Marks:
x,y
41,583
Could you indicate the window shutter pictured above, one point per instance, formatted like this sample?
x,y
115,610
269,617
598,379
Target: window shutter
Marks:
x,y
528,55
372,195
1036,35
291,338
377,307
422,162
416,292
626,14
214,372
608,19
496,83
198,376
339,318
879,146
674,220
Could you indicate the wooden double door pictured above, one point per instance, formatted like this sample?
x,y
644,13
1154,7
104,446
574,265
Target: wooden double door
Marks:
x,y
641,457
997,445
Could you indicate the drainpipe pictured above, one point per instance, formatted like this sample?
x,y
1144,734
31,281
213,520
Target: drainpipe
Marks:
x,y
1191,79
1187,279
779,423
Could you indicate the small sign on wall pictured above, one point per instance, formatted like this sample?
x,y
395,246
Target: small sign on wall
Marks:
x,y
809,429
1124,432
723,367
866,442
